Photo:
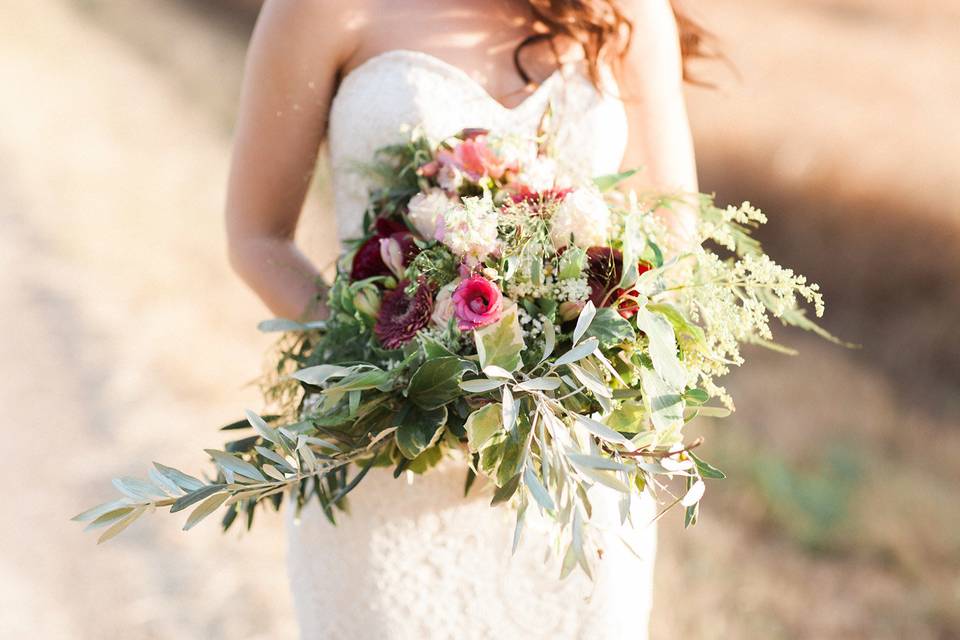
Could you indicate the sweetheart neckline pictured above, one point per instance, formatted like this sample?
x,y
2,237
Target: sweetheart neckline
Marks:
x,y
440,63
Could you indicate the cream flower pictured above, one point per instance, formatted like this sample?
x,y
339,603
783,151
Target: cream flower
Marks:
x,y
424,210
584,215
443,306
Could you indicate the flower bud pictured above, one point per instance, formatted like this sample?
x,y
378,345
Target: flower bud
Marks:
x,y
570,310
367,301
392,255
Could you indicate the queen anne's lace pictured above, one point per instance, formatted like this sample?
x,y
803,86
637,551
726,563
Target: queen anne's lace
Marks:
x,y
418,560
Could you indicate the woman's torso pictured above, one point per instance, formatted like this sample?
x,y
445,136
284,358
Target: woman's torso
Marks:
x,y
420,560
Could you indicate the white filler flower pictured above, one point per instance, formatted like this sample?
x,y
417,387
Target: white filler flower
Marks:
x,y
470,230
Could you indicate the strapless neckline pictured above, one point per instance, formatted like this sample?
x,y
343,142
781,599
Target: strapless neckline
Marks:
x,y
382,99
442,67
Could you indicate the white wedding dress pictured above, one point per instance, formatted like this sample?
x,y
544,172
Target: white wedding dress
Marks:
x,y
415,560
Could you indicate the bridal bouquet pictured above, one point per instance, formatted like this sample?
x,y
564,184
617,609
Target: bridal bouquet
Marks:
x,y
500,310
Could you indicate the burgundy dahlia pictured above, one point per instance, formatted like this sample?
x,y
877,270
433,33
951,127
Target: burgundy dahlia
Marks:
x,y
402,316
367,262
604,270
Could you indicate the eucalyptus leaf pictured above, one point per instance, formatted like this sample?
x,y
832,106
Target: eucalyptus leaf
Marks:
x,y
181,479
596,462
537,490
579,352
228,462
693,495
121,524
109,518
605,478
137,489
608,182
602,431
100,509
712,412
282,325
706,469
321,373
497,372
583,321
597,387
481,385
273,472
362,380
539,384
204,509
549,338
167,485
196,496
261,427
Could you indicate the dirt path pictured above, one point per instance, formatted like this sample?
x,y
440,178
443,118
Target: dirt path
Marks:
x,y
108,359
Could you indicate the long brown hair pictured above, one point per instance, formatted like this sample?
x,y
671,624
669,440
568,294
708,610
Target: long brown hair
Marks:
x,y
604,32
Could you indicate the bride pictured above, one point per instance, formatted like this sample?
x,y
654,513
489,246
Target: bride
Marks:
x,y
418,559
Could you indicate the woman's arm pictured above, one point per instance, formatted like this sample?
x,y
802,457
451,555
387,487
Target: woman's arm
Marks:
x,y
651,81
290,76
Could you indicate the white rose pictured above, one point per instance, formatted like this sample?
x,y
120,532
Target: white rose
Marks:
x,y
443,306
424,209
584,215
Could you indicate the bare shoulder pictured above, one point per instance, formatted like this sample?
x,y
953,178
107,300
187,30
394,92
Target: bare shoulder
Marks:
x,y
648,15
655,43
329,28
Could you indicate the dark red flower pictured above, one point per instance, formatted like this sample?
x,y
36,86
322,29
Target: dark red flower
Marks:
x,y
402,316
604,270
367,262
539,198
473,132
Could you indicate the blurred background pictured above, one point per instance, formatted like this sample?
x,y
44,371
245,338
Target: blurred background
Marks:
x,y
125,338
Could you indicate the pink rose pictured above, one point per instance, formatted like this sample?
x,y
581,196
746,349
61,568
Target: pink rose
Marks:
x,y
477,303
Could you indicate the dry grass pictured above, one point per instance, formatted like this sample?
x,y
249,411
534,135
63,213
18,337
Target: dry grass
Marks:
x,y
124,335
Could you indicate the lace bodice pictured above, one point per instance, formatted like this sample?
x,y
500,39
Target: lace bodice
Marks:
x,y
402,88
417,560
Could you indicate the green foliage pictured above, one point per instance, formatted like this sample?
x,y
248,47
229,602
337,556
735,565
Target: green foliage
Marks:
x,y
437,381
610,328
500,344
811,504
418,429
482,425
